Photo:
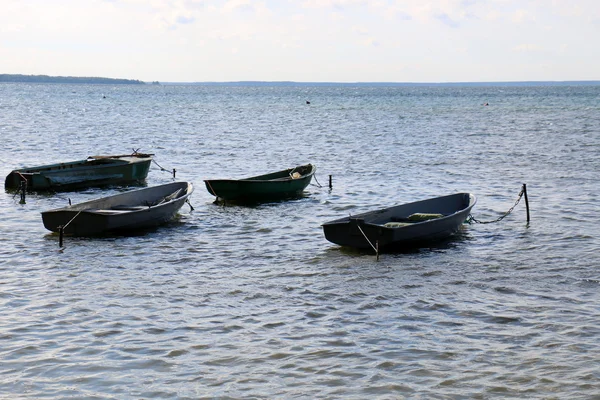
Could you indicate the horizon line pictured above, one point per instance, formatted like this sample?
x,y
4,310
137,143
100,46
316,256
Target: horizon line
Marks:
x,y
49,78
288,82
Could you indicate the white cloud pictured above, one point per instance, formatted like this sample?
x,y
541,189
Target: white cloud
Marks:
x,y
526,48
521,16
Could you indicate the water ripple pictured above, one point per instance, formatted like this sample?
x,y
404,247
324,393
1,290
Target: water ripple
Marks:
x,y
237,302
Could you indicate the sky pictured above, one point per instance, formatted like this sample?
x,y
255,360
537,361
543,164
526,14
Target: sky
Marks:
x,y
303,40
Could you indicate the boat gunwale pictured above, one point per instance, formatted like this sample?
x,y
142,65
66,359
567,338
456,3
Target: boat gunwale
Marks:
x,y
260,178
81,207
258,189
56,217
48,177
360,216
96,163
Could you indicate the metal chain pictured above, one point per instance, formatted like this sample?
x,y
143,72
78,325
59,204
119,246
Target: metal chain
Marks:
x,y
471,218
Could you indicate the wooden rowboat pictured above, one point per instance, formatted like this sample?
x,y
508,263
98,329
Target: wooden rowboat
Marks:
x,y
276,185
93,171
128,211
406,225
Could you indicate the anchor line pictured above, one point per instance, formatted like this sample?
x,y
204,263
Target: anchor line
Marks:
x,y
76,215
471,218
371,244
159,166
316,180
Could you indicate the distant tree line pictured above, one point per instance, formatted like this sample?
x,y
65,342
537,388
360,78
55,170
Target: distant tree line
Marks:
x,y
65,79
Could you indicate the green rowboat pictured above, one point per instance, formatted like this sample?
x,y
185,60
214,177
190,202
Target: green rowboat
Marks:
x,y
93,171
273,186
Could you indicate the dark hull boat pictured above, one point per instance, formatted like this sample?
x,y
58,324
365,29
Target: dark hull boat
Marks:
x,y
93,171
276,185
406,225
128,211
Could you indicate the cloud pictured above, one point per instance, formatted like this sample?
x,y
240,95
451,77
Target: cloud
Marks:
x,y
238,5
521,16
333,3
369,42
447,20
185,20
526,48
356,39
258,8
360,30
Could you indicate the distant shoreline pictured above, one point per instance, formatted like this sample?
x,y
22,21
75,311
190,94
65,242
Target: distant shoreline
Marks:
x,y
18,78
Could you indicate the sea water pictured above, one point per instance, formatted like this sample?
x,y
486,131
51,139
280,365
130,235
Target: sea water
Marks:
x,y
234,301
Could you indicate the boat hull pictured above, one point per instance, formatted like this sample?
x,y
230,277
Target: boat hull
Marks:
x,y
129,211
94,171
273,186
368,230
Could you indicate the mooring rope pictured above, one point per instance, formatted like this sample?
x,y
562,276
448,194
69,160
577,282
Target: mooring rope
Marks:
x,y
21,189
471,218
21,176
189,204
76,215
371,244
211,188
159,166
318,184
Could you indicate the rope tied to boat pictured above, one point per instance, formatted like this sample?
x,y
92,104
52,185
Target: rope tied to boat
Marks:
x,y
472,219
21,176
189,204
375,246
61,228
211,188
67,224
363,233
318,184
164,169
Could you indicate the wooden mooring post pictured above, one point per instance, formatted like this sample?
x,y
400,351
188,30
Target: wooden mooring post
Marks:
x,y
526,201
61,231
23,191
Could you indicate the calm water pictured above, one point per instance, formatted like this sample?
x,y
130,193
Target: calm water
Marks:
x,y
252,302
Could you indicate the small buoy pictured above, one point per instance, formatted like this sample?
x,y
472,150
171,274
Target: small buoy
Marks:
x,y
307,102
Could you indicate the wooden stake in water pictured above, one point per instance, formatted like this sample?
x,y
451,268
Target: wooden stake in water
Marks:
x,y
23,190
330,182
526,200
